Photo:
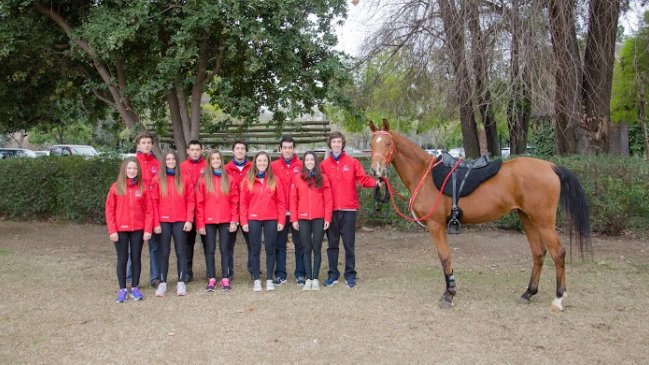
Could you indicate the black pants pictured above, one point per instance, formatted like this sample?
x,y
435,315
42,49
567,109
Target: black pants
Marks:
x,y
343,224
174,229
191,241
214,230
269,230
233,240
311,233
133,241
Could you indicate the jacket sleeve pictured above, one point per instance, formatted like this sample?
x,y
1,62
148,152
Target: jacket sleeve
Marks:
x,y
110,209
281,203
234,201
200,204
155,200
190,198
244,203
148,212
362,178
293,200
328,199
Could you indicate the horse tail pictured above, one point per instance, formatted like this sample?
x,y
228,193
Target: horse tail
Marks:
x,y
573,201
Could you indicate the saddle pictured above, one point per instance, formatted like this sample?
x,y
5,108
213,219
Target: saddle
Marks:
x,y
470,174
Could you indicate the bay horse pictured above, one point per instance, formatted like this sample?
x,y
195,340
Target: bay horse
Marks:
x,y
532,187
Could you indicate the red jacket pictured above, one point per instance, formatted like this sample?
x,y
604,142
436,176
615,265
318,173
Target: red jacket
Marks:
x,y
285,173
310,202
193,169
173,207
343,176
235,174
261,204
150,166
130,212
216,208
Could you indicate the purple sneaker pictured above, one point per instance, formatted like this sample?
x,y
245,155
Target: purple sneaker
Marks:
x,y
122,295
136,295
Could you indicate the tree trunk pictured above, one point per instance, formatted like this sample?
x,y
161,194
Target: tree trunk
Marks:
x,y
454,29
567,74
642,115
519,107
482,80
177,123
597,76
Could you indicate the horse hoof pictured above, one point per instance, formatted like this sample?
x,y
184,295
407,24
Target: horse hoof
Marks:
x,y
557,305
445,304
554,308
523,300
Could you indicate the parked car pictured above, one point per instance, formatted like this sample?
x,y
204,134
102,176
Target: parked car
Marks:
x,y
42,153
15,152
73,150
434,151
457,152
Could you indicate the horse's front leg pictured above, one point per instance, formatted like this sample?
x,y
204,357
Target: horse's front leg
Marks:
x,y
438,234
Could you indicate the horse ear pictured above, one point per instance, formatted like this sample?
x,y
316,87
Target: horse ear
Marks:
x,y
373,126
386,125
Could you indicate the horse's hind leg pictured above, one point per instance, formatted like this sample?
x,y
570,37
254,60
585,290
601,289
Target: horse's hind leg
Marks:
x,y
538,256
558,254
438,234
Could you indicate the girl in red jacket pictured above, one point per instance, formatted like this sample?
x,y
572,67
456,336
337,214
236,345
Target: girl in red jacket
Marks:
x,y
173,207
311,207
217,212
263,209
129,220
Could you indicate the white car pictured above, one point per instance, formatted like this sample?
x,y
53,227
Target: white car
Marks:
x,y
15,152
457,152
73,150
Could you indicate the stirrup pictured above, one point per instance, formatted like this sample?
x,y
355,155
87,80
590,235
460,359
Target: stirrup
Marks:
x,y
454,226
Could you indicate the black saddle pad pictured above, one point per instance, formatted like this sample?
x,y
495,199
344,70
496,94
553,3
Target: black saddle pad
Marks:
x,y
476,177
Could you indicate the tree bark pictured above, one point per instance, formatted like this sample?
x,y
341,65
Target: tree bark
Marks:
x,y
177,124
482,80
454,30
567,74
519,107
597,76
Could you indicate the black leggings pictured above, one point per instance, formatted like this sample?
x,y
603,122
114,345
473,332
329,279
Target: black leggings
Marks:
x,y
126,240
311,234
174,229
209,246
269,230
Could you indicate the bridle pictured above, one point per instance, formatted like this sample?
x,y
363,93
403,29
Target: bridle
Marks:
x,y
388,159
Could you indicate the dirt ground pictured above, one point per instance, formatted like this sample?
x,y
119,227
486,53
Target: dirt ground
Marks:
x,y
58,289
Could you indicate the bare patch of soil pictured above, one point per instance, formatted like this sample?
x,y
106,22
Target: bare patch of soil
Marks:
x,y
58,288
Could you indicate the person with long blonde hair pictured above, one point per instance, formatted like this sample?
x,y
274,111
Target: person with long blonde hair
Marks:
x,y
217,213
129,221
262,211
173,206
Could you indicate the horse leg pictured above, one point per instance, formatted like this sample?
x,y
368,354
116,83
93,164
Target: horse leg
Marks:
x,y
558,254
538,256
438,235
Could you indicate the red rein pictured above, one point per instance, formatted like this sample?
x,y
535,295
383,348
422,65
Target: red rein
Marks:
x,y
411,201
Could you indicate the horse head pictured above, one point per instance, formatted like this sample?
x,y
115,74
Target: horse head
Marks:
x,y
382,149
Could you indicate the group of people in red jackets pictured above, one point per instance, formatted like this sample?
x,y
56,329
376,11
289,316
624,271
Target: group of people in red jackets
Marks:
x,y
156,201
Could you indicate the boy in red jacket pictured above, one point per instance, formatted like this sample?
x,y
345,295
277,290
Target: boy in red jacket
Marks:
x,y
129,221
193,167
344,172
285,168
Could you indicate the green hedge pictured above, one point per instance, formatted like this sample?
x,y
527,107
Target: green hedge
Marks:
x,y
75,189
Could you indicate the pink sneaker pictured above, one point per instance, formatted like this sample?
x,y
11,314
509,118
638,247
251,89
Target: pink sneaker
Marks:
x,y
225,284
211,284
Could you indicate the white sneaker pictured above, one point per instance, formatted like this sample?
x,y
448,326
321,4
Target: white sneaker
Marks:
x,y
181,289
315,284
270,285
307,285
161,290
256,286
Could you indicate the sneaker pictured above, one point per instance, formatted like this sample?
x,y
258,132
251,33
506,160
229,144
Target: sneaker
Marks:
x,y
211,284
301,280
161,290
181,289
351,282
136,294
122,295
270,285
225,284
256,286
315,284
307,285
330,281
279,281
